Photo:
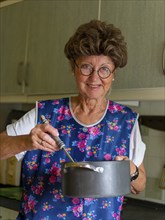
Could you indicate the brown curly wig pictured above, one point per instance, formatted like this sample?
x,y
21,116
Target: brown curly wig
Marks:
x,y
97,38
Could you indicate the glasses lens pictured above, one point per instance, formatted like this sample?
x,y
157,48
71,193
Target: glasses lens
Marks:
x,y
86,69
104,72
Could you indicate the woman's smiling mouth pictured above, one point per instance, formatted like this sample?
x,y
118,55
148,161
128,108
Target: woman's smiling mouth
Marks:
x,y
93,85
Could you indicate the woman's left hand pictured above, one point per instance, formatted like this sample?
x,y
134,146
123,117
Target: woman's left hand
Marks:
x,y
132,165
139,184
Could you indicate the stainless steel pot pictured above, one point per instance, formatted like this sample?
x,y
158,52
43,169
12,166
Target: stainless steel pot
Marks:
x,y
96,179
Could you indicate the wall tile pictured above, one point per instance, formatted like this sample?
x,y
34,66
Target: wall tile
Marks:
x,y
154,166
152,189
156,133
156,146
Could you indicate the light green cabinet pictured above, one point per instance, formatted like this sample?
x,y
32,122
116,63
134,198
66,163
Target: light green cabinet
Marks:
x,y
33,35
41,37
143,25
52,24
13,23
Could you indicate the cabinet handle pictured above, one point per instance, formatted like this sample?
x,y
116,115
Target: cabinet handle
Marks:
x,y
26,76
163,61
20,73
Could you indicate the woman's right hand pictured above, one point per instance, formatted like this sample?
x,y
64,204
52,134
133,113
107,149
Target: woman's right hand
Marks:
x,y
40,137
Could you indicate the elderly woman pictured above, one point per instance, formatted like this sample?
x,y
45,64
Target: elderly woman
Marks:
x,y
92,127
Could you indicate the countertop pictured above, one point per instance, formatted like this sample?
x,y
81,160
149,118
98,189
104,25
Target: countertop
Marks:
x,y
10,197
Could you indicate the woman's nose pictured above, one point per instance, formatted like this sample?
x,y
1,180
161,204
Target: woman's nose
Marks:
x,y
94,75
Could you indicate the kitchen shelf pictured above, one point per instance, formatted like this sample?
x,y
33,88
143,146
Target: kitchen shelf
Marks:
x,y
142,94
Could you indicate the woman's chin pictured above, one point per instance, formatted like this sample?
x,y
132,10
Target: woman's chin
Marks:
x,y
94,95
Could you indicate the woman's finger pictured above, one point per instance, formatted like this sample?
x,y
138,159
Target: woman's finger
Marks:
x,y
49,147
41,139
121,158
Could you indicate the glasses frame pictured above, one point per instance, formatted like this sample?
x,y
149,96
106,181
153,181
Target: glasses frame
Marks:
x,y
93,70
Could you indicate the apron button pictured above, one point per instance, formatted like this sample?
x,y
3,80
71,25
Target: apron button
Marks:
x,y
85,129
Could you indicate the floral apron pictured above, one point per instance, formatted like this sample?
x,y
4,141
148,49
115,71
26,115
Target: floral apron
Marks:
x,y
42,197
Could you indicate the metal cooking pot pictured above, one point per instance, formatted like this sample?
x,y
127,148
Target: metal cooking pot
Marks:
x,y
96,179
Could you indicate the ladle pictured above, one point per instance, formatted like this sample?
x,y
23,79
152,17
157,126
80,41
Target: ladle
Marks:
x,y
59,142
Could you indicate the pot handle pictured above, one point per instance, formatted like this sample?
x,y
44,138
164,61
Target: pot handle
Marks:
x,y
83,165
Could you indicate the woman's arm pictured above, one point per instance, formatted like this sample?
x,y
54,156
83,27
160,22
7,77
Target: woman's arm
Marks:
x,y
136,156
12,145
38,138
24,135
138,185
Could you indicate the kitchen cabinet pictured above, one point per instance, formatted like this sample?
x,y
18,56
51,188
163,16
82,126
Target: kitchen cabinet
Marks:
x,y
52,24
34,36
143,25
13,23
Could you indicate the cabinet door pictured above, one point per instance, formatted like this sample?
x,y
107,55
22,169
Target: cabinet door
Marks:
x,y
52,23
143,25
13,42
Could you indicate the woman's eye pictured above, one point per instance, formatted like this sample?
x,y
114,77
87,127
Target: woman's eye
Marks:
x,y
86,66
105,69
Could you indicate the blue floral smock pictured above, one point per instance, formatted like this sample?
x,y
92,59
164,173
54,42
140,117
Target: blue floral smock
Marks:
x,y
42,197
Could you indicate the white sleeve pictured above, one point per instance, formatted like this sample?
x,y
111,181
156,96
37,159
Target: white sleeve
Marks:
x,y
137,147
23,126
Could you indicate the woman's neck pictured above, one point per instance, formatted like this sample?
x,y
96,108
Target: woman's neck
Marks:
x,y
88,111
89,105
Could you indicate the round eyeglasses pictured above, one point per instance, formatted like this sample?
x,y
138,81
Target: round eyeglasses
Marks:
x,y
87,69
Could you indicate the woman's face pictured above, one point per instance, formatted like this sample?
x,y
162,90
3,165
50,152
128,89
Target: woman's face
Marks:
x,y
93,86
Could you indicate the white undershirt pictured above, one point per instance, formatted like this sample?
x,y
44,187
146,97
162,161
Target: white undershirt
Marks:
x,y
25,124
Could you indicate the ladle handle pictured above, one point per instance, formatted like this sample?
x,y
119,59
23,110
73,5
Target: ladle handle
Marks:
x,y
59,142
